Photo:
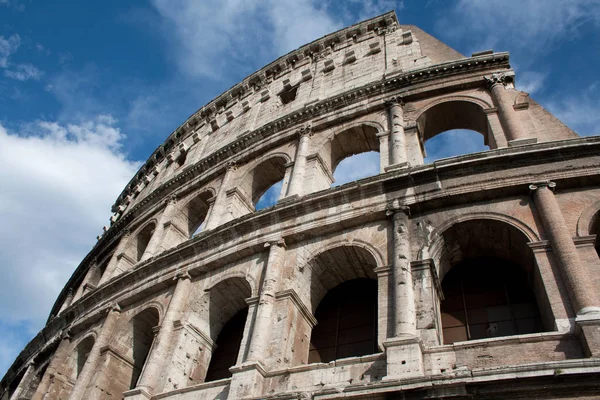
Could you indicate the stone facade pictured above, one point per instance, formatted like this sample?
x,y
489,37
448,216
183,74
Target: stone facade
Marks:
x,y
143,315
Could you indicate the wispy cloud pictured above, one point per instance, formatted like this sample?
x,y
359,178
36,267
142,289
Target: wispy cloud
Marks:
x,y
24,72
580,110
8,46
213,37
528,25
356,167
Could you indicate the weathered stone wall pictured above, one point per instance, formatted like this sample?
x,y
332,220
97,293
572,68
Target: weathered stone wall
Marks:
x,y
154,293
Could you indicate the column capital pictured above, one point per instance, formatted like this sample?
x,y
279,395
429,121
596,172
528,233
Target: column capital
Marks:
x,y
393,208
231,166
549,184
394,101
182,275
113,308
278,242
495,80
305,130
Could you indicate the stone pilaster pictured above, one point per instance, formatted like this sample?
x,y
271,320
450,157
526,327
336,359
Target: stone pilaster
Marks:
x,y
404,296
404,353
154,245
397,140
583,296
295,188
219,207
264,315
80,389
152,373
496,84
24,383
58,359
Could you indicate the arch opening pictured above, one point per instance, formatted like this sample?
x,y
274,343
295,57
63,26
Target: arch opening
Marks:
x,y
264,177
347,322
490,284
448,129
227,347
228,311
452,143
83,351
350,143
143,239
196,211
356,167
142,328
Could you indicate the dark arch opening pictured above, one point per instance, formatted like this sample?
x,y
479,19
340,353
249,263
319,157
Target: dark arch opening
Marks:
x,y
266,177
346,322
228,347
196,211
487,297
143,238
143,326
83,351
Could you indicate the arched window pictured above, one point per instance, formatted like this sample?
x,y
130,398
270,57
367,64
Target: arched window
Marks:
x,y
487,273
196,211
142,327
143,238
354,154
263,184
83,350
346,322
227,312
449,129
228,346
487,297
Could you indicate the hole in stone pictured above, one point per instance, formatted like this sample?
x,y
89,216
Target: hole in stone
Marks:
x,y
287,95
270,197
403,362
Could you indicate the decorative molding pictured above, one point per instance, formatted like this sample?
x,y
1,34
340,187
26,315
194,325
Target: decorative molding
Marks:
x,y
290,294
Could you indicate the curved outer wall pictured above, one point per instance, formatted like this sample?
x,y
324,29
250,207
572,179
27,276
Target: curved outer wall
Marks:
x,y
379,86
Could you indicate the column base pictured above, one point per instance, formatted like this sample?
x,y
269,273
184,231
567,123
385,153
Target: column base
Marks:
x,y
395,167
137,394
404,356
247,380
521,142
588,328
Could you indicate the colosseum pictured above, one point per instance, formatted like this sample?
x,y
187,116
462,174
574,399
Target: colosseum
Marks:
x,y
472,277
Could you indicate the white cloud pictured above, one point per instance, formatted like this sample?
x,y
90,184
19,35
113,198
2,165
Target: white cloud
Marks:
x,y
213,37
7,47
58,183
530,81
579,111
529,25
24,72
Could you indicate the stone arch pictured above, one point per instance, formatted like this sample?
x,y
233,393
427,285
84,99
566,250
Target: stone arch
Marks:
x,y
140,239
454,112
82,350
262,174
337,263
487,256
588,218
195,210
435,250
352,139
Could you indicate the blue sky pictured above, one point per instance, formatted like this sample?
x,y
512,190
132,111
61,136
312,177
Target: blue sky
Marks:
x,y
89,89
